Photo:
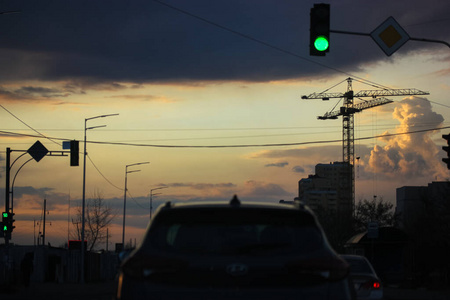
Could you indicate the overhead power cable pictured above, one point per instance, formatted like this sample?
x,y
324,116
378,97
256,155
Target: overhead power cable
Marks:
x,y
241,145
246,36
104,177
40,134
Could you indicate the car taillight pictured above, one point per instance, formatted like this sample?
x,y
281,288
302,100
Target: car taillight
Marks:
x,y
331,268
372,284
146,266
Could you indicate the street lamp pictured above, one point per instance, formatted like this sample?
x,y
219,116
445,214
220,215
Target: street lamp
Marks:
x,y
125,197
84,189
151,198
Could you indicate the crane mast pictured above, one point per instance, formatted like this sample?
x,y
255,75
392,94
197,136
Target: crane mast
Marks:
x,y
347,111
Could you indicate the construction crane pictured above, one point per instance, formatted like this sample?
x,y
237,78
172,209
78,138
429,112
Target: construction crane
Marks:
x,y
347,111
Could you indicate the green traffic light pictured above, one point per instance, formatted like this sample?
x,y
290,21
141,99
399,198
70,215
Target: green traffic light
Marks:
x,y
5,228
321,43
5,215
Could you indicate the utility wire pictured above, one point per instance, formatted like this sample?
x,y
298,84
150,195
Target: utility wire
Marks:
x,y
382,126
243,145
246,36
132,198
59,144
40,134
215,129
107,180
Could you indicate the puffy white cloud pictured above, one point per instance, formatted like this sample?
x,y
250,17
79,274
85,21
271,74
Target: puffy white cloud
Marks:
x,y
409,155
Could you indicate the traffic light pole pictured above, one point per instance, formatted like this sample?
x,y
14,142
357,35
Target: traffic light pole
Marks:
x,y
7,178
9,204
411,38
389,35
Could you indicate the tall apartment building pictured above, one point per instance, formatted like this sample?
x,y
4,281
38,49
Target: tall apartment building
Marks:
x,y
412,200
328,189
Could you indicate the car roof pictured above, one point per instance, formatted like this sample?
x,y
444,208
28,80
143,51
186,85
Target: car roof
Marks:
x,y
236,203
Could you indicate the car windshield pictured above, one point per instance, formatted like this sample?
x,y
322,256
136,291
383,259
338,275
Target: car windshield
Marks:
x,y
235,231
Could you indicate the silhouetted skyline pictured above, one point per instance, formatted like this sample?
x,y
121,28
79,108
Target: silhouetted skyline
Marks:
x,y
209,74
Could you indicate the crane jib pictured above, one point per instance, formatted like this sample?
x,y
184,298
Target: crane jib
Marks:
x,y
367,93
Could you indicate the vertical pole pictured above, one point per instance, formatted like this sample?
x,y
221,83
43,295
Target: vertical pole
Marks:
x,y
107,239
151,200
124,209
83,207
45,212
68,223
7,178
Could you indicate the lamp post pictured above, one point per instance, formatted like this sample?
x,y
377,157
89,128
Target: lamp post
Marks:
x,y
125,197
151,198
83,203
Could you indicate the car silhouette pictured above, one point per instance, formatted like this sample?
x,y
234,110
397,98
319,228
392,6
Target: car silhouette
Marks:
x,y
367,284
234,250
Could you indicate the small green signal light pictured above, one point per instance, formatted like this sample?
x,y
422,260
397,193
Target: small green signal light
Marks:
x,y
5,227
321,43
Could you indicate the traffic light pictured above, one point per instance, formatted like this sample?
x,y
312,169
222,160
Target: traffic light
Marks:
x,y
447,149
319,31
11,221
7,224
5,216
74,153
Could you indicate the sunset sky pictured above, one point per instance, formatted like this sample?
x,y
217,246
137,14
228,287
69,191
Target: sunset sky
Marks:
x,y
209,92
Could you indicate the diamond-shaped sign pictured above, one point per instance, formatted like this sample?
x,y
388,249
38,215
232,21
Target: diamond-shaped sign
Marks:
x,y
390,36
37,151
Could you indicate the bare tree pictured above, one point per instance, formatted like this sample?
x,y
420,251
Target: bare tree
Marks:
x,y
373,210
98,216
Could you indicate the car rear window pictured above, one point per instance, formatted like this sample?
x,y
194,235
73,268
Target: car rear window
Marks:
x,y
358,266
235,231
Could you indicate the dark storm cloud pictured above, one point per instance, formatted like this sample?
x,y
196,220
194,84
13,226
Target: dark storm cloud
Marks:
x,y
144,41
200,186
29,190
31,92
278,165
258,189
298,169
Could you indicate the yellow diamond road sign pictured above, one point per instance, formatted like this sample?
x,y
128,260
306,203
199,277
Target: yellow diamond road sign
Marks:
x,y
390,36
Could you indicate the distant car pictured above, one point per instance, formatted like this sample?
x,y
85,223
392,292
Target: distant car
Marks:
x,y
234,251
366,282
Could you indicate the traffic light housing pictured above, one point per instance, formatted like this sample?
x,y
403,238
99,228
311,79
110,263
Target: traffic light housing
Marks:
x,y
447,149
74,153
7,224
319,30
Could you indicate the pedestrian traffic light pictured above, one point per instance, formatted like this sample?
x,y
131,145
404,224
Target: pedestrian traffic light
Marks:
x,y
5,216
74,153
319,31
7,224
447,149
